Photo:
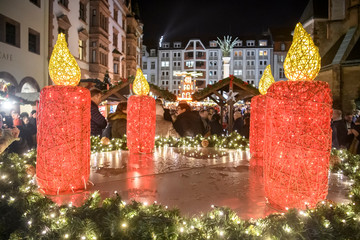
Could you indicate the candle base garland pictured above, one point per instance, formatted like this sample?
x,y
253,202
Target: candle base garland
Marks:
x,y
297,143
63,163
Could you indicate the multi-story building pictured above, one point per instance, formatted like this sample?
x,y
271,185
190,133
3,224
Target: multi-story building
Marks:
x,y
334,26
249,58
24,44
103,36
150,65
134,35
282,39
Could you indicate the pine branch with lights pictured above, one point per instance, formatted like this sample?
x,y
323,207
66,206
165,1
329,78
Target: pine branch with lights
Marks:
x,y
232,141
26,214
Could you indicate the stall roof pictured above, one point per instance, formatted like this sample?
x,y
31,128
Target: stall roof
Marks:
x,y
243,90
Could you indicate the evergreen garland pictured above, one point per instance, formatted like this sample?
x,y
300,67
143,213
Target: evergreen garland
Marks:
x,y
26,214
232,141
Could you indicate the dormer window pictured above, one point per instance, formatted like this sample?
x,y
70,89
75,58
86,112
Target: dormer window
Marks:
x,y
177,45
238,43
250,43
166,45
262,43
213,44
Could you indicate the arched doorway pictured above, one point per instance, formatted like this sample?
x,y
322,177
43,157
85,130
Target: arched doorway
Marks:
x,y
28,85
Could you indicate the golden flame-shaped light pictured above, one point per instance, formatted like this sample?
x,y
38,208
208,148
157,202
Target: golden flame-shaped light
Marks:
x,y
303,60
63,68
266,80
140,85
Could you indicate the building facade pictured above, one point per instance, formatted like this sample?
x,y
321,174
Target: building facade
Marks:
x,y
24,44
249,58
334,26
150,65
104,36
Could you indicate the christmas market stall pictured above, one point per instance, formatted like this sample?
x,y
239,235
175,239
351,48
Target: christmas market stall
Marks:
x,y
227,91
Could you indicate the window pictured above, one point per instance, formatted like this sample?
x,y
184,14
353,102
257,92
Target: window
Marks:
x,y
177,45
215,73
262,43
213,44
261,53
166,45
265,53
104,22
93,56
36,2
190,54
199,64
210,73
213,54
82,12
238,43
115,14
152,78
282,58
238,53
116,68
11,29
189,63
103,59
152,66
260,72
165,55
237,72
64,3
34,41
115,39
152,52
250,63
261,63
81,49
281,73
144,65
165,64
250,43
282,47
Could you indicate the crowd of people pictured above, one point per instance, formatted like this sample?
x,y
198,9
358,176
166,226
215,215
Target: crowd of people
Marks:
x,y
346,131
181,121
18,131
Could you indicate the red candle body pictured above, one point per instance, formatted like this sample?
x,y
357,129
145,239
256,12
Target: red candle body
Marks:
x,y
141,120
63,154
297,143
257,130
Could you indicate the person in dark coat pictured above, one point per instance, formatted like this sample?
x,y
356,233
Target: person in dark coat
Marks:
x,y
215,126
344,136
246,128
98,121
239,122
188,123
117,121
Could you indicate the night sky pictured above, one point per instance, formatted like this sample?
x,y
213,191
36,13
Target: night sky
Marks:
x,y
184,19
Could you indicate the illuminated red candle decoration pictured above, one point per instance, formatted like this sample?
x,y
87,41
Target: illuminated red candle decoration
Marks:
x,y
63,153
141,117
257,120
298,133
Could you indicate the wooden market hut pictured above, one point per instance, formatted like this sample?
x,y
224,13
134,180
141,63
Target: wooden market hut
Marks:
x,y
233,87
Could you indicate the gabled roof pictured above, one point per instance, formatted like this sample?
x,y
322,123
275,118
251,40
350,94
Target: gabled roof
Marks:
x,y
355,52
243,89
315,9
